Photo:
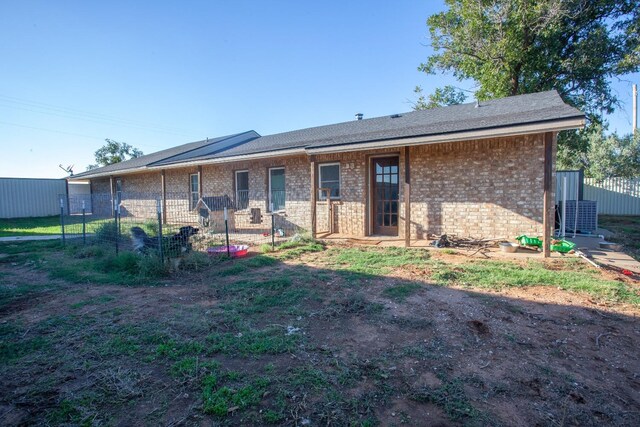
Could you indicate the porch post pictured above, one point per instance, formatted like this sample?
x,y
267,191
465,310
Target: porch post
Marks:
x,y
200,193
163,181
407,197
314,195
547,206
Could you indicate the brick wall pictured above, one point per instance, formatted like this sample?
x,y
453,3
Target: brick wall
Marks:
x,y
350,216
487,188
491,188
101,203
219,180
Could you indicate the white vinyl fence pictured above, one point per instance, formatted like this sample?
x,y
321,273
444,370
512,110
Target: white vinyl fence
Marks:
x,y
615,196
28,197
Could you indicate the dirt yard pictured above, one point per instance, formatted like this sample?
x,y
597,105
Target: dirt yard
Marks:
x,y
312,336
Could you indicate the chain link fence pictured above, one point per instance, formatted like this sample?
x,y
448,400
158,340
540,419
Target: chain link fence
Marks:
x,y
143,222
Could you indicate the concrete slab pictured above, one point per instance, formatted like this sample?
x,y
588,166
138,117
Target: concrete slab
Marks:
x,y
590,246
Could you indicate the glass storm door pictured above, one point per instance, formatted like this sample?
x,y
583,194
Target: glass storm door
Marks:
x,y
385,195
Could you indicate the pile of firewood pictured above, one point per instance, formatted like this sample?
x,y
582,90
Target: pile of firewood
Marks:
x,y
468,243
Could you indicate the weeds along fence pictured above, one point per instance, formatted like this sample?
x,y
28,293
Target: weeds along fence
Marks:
x,y
251,219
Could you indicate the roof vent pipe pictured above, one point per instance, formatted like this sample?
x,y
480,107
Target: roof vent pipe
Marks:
x,y
477,103
359,116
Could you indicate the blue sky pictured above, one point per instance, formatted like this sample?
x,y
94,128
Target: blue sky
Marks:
x,y
159,74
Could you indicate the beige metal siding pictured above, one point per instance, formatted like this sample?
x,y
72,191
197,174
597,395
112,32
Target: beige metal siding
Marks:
x,y
25,197
615,196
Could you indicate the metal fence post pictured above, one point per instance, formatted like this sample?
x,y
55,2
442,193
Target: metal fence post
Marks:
x,y
273,229
160,248
115,211
226,231
84,225
62,220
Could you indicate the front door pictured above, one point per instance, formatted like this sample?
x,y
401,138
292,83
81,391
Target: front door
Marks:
x,y
384,195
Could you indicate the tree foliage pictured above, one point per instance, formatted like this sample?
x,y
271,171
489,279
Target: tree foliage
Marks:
x,y
606,156
511,47
114,152
441,97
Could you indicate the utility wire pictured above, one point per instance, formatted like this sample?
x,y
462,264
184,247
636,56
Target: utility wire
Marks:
x,y
44,108
69,133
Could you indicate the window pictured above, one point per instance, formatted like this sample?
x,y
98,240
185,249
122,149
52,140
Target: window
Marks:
x,y
329,177
118,191
194,188
276,189
242,189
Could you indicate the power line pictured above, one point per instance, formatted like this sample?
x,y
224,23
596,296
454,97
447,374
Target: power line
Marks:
x,y
44,108
69,133
50,130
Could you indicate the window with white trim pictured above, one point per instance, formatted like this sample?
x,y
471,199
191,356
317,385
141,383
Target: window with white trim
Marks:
x,y
329,177
242,190
194,189
277,194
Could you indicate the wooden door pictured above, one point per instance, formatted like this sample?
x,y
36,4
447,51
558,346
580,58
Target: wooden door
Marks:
x,y
385,189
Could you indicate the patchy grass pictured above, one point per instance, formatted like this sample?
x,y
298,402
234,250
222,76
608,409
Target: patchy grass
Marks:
x,y
221,401
402,291
284,338
626,230
374,261
272,340
451,397
498,275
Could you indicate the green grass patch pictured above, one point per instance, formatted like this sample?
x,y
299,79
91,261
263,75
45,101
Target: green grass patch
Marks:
x,y
15,344
298,251
193,367
127,268
47,225
174,349
30,246
221,401
102,299
451,397
402,291
67,412
376,261
497,275
267,341
239,266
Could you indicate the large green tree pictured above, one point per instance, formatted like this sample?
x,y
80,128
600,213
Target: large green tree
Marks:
x,y
114,152
511,47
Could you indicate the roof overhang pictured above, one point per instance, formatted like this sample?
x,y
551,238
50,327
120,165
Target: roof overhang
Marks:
x,y
180,165
555,125
532,128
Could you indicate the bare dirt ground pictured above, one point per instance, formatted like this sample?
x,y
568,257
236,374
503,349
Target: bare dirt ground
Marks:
x,y
313,339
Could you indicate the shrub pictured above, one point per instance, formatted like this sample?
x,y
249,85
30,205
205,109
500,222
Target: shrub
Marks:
x,y
151,266
152,226
126,262
266,248
107,232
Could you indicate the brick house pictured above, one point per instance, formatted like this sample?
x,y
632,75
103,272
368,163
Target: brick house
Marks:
x,y
479,169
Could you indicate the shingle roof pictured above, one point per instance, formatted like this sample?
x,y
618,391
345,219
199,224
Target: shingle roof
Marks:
x,y
505,112
515,110
207,146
